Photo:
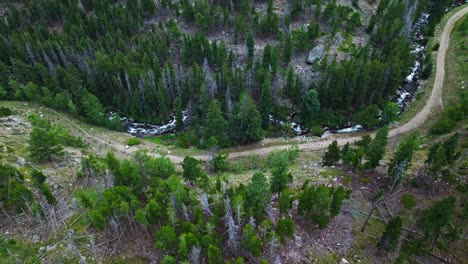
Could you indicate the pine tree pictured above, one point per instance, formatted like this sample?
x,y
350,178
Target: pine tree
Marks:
x,y
314,203
166,239
215,124
266,101
258,191
297,91
285,201
285,228
390,113
376,148
310,108
288,49
179,115
162,99
401,160
332,154
247,122
391,235
44,144
338,197
250,43
280,177
192,169
250,241
215,255
434,219
128,174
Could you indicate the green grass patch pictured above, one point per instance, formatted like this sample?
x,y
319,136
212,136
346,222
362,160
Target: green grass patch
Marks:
x,y
166,140
133,141
408,200
332,173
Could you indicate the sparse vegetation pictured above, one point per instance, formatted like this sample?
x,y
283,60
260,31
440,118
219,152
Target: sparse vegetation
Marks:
x,y
133,141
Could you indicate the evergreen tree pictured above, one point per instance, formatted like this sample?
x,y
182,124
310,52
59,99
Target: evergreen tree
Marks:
x,y
390,113
246,126
280,177
44,144
250,241
179,115
314,203
434,219
285,201
215,255
166,239
285,228
192,169
310,108
401,160
376,148
332,154
267,57
338,197
216,125
266,101
128,174
97,220
250,43
391,235
258,191
288,49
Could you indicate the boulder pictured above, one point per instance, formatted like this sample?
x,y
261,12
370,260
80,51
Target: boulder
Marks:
x,y
316,54
344,261
21,161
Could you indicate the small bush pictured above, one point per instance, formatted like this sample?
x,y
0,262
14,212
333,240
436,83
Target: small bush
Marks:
x,y
317,131
436,47
415,183
183,140
39,177
364,180
45,190
444,125
408,200
221,162
133,141
4,112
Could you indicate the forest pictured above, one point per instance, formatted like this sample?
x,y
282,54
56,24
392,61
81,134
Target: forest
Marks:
x,y
148,60
230,184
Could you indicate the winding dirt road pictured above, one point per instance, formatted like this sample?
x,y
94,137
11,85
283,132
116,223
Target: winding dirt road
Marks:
x,y
435,100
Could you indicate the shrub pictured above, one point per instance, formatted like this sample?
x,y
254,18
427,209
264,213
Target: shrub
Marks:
x,y
183,140
285,228
408,200
415,183
436,46
4,112
221,162
97,220
317,131
133,141
48,194
444,125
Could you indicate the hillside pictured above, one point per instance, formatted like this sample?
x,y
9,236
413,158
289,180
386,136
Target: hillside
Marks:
x,y
74,191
